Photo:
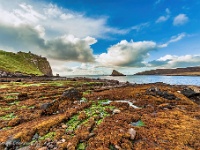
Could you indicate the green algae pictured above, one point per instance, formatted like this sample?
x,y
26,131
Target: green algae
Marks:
x,y
8,116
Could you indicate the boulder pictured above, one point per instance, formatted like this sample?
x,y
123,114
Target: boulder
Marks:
x,y
188,92
154,91
72,94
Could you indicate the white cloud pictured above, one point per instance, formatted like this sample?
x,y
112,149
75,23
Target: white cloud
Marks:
x,y
52,31
139,27
173,61
127,54
69,48
181,19
164,18
55,20
66,48
158,2
173,39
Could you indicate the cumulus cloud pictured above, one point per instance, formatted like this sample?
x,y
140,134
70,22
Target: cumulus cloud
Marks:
x,y
69,48
127,53
55,20
164,18
66,48
180,19
49,30
173,61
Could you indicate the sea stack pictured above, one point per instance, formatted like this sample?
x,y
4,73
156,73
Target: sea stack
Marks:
x,y
116,73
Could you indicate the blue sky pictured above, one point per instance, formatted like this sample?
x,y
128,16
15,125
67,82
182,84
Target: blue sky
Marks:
x,y
94,37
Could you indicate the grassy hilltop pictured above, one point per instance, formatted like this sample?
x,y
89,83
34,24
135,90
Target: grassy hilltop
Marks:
x,y
25,63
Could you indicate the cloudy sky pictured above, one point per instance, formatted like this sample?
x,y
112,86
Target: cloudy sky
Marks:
x,y
82,37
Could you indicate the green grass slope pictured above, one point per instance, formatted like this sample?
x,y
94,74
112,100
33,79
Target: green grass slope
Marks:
x,y
19,62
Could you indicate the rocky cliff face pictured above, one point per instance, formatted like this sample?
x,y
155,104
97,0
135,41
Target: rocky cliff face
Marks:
x,y
116,73
23,64
41,63
178,71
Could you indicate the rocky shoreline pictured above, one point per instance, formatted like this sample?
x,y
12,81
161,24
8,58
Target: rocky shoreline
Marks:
x,y
48,113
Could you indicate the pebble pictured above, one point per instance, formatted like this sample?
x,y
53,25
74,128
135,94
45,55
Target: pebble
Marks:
x,y
64,126
43,148
132,132
116,111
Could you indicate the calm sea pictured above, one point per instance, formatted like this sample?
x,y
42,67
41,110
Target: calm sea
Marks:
x,y
140,79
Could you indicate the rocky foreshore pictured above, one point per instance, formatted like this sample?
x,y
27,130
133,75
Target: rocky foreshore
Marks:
x,y
83,113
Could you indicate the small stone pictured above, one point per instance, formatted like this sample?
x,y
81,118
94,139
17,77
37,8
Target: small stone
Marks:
x,y
116,111
63,140
36,136
43,148
91,135
45,106
25,148
64,126
50,146
69,144
132,132
117,147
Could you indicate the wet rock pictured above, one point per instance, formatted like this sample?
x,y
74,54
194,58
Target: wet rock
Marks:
x,y
1,98
50,108
46,106
132,133
188,92
50,145
193,95
12,144
154,91
22,96
35,137
116,111
72,94
91,135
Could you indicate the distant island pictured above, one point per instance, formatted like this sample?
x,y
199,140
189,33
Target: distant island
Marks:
x,y
189,71
116,73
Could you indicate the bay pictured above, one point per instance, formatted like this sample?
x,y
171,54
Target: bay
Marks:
x,y
143,79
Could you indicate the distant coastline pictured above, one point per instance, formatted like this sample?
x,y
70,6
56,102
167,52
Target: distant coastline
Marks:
x,y
189,71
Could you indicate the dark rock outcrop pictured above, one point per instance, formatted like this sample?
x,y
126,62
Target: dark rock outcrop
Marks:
x,y
154,91
72,94
116,73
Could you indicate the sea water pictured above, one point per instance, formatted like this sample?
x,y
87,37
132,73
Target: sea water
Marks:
x,y
142,79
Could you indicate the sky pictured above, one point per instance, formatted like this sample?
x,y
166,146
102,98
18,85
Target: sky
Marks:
x,y
91,37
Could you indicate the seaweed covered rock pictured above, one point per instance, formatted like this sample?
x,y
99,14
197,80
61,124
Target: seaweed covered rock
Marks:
x,y
72,94
188,92
154,91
